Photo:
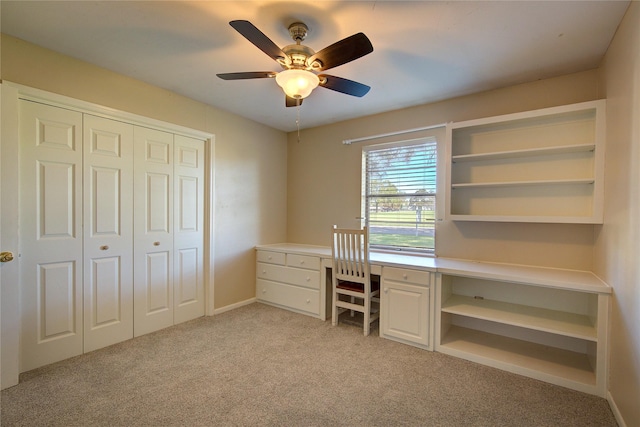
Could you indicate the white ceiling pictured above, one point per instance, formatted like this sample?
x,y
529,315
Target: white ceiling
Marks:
x,y
424,51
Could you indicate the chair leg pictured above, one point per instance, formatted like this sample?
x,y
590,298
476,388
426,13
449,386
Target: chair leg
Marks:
x,y
353,301
334,310
367,316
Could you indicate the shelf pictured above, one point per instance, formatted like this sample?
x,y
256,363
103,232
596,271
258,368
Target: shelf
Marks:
x,y
525,218
540,319
538,361
555,278
513,154
523,183
535,166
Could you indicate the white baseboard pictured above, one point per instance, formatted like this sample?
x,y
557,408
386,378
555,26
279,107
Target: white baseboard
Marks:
x,y
233,306
615,410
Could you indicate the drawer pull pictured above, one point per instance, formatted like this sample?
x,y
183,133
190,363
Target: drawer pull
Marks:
x,y
301,262
269,257
308,301
104,247
156,243
308,279
386,290
264,271
264,291
404,276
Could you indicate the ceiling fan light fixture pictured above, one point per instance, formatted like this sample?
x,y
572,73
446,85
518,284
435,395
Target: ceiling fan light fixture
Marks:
x,y
297,84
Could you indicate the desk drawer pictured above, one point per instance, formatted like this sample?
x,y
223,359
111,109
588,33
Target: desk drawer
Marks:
x,y
302,299
404,275
294,276
303,261
272,257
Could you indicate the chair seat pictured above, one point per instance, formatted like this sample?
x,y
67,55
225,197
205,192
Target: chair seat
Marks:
x,y
357,287
350,286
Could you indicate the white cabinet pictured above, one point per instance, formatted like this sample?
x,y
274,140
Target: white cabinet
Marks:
x,y
543,323
538,166
406,306
289,280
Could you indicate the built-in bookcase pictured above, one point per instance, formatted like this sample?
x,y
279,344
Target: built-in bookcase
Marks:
x,y
548,324
536,166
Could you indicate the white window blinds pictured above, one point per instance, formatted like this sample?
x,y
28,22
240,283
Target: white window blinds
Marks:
x,y
400,195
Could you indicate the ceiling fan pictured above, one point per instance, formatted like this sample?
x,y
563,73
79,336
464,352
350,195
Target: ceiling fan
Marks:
x,y
300,63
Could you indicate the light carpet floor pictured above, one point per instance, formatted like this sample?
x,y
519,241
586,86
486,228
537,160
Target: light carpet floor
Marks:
x,y
263,366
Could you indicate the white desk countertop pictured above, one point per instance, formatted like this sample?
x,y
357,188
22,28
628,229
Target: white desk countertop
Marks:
x,y
584,281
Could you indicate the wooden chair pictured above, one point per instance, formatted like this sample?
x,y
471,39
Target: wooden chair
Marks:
x,y
352,287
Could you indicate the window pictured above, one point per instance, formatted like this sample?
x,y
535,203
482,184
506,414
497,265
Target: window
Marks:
x,y
399,195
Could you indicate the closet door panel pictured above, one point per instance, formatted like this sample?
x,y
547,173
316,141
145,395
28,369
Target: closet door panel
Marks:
x,y
153,225
158,282
51,234
108,232
188,232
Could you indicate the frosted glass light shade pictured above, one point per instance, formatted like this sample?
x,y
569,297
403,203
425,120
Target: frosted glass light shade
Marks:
x,y
297,84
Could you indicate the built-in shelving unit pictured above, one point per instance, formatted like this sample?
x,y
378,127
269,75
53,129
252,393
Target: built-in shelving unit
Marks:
x,y
537,166
551,327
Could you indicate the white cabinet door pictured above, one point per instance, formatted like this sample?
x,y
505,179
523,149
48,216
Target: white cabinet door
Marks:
x,y
405,312
108,232
51,233
188,295
153,228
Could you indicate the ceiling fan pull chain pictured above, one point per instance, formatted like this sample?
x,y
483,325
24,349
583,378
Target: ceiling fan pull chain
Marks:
x,y
298,118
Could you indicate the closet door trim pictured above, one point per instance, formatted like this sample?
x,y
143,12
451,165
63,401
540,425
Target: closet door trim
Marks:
x,y
55,100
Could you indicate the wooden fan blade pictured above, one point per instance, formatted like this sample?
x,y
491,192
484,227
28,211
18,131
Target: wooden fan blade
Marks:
x,y
292,102
346,86
346,50
248,75
257,37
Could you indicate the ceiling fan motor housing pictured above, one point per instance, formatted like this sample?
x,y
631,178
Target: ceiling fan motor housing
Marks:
x,y
297,55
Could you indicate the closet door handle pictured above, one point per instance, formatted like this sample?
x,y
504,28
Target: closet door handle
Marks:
x,y
6,256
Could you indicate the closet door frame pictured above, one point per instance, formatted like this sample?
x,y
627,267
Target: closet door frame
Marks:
x,y
10,94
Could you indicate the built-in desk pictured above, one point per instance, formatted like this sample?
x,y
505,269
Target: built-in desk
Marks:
x,y
545,323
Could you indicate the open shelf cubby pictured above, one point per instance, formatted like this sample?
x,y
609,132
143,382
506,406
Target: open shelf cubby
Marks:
x,y
548,331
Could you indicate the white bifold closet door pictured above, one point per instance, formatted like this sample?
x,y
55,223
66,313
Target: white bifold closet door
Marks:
x,y
50,234
188,295
108,232
168,224
153,225
111,234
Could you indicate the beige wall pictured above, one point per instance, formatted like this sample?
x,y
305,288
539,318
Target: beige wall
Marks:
x,y
324,182
250,159
617,258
